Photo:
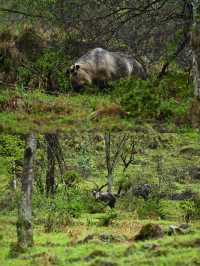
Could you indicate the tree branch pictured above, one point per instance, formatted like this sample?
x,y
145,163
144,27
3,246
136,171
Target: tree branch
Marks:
x,y
20,13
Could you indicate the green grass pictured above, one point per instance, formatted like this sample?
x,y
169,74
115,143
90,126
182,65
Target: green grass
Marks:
x,y
24,111
62,248
178,150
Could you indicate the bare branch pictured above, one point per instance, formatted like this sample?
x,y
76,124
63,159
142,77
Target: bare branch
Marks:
x,y
131,158
20,13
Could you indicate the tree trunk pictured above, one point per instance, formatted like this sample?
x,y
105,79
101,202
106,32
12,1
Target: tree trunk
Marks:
x,y
50,176
24,223
108,161
111,163
195,43
14,178
62,14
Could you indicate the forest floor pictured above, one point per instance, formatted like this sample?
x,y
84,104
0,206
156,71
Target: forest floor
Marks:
x,y
86,243
22,111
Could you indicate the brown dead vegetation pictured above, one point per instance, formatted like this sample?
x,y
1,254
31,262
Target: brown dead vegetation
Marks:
x,y
18,50
113,110
17,103
12,104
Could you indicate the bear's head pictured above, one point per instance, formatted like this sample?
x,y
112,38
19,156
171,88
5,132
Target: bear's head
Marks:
x,y
79,77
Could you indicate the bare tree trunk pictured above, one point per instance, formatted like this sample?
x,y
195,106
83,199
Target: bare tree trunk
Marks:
x,y
50,176
24,223
62,14
14,178
108,160
111,163
195,43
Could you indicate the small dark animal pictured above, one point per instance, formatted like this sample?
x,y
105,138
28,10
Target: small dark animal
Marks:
x,y
106,197
143,191
99,66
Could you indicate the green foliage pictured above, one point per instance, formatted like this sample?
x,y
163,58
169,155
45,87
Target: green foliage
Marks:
x,y
55,220
171,107
11,146
16,250
170,99
71,178
48,68
24,75
11,151
69,202
108,218
144,209
84,163
150,208
191,209
175,84
137,96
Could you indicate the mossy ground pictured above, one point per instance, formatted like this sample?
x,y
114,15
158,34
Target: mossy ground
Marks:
x,y
62,248
23,111
178,149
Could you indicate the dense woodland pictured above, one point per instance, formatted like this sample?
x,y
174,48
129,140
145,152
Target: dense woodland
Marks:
x,y
104,176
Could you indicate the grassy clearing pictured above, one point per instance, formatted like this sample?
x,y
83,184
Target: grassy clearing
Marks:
x,y
24,111
177,148
63,248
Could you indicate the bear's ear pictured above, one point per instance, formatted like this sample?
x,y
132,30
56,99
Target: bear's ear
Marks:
x,y
67,71
77,67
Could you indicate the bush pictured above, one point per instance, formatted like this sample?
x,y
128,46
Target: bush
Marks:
x,y
191,209
108,218
11,155
56,220
137,96
66,203
144,208
69,202
71,178
47,72
170,99
150,208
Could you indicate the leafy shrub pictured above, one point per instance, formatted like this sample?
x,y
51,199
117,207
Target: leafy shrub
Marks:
x,y
56,220
69,202
137,96
11,154
147,99
92,205
66,203
84,162
191,209
8,201
11,146
71,178
175,84
50,65
150,208
144,208
108,218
